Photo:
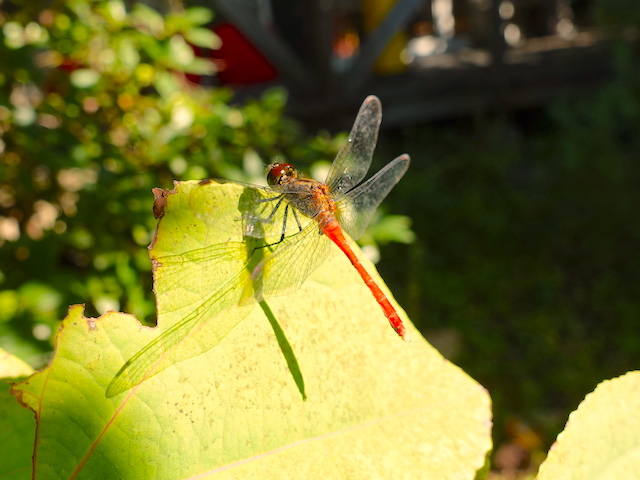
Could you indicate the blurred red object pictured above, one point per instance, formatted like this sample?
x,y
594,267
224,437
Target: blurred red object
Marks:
x,y
237,60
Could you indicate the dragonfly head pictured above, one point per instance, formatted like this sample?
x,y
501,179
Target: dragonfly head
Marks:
x,y
280,173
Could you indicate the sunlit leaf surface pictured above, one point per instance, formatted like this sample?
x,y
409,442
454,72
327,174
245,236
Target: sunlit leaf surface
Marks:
x,y
602,437
310,385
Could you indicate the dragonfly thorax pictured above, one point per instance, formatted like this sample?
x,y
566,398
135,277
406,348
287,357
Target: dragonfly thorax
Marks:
x,y
306,195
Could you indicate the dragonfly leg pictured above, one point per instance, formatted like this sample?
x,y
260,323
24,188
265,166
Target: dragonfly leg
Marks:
x,y
265,200
252,219
295,215
269,218
284,223
285,217
284,226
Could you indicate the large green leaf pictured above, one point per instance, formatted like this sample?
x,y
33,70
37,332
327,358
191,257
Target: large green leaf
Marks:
x,y
311,385
602,437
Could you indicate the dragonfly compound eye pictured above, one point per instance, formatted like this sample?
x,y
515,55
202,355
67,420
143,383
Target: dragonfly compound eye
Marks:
x,y
279,173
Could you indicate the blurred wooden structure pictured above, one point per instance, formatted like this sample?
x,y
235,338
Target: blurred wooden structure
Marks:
x,y
457,57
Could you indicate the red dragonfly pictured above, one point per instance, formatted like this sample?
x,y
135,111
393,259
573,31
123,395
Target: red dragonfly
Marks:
x,y
294,221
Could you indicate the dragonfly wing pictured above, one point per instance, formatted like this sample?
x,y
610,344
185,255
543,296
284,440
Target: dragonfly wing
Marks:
x,y
357,207
354,159
177,342
284,270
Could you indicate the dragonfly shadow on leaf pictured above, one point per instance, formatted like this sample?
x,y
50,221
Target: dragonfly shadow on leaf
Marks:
x,y
285,347
257,249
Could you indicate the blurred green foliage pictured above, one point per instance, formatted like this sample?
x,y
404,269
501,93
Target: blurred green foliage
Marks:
x,y
95,110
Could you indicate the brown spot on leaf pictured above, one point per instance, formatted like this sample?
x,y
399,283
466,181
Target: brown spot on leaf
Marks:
x,y
160,201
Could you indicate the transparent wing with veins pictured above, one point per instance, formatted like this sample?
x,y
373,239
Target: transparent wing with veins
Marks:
x,y
244,272
162,352
285,269
356,208
354,159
